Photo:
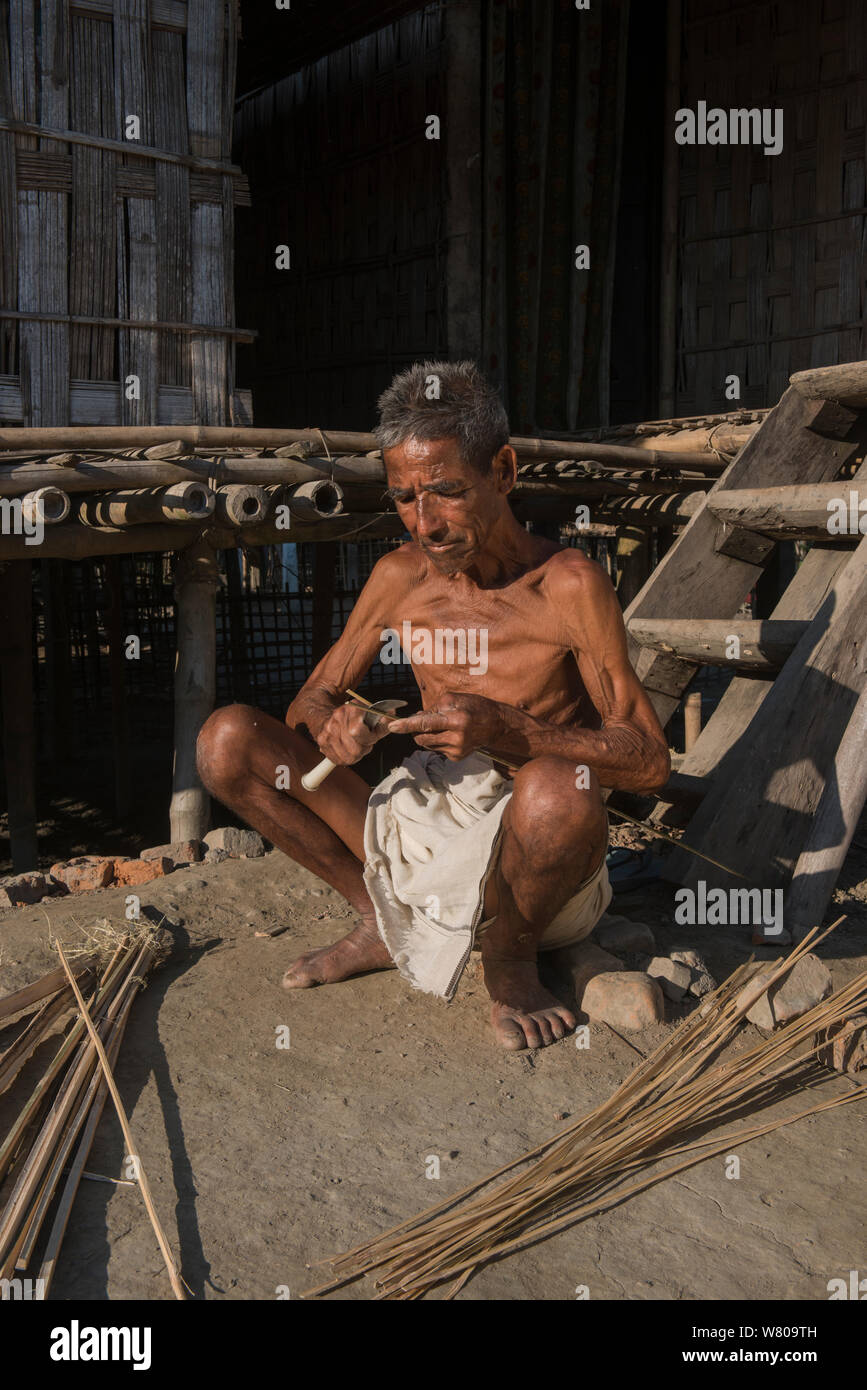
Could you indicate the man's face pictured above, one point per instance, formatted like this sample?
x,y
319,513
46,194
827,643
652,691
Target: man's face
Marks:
x,y
447,506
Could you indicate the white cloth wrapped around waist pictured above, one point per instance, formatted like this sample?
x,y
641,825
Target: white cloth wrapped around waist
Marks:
x,y
431,840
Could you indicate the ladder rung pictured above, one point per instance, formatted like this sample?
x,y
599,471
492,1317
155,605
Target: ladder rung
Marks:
x,y
817,511
751,644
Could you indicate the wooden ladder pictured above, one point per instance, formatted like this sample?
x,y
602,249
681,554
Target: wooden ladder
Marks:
x,y
778,776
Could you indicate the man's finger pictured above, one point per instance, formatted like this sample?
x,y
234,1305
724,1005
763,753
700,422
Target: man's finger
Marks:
x,y
430,721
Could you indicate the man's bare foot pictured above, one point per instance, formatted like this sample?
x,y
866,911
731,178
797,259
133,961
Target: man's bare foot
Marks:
x,y
524,1013
360,950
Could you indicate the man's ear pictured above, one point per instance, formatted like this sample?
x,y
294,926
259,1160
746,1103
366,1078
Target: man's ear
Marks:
x,y
505,468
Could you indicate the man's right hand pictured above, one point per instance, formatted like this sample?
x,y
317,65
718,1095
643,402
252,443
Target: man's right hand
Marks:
x,y
345,738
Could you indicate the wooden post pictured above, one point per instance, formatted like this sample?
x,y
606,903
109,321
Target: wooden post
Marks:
x,y
196,581
691,719
19,738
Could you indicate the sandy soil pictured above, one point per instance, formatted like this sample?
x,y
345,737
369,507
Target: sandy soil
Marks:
x,y
264,1161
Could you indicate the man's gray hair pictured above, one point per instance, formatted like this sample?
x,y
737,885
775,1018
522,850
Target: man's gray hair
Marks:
x,y
444,400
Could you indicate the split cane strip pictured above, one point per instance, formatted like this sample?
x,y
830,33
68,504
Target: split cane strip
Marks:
x,y
165,1248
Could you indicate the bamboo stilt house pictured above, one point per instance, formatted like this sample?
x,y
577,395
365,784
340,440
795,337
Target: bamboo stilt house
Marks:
x,y
117,198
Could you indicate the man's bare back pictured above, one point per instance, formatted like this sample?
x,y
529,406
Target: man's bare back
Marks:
x,y
557,692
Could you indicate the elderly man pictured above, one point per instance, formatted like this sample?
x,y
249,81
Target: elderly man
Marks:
x,y
518,648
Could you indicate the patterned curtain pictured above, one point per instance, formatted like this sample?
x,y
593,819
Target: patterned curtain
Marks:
x,y
555,87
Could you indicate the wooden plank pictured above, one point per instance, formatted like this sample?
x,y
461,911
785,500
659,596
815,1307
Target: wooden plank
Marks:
x,y
93,403
763,645
93,271
756,817
742,700
744,696
789,513
137,243
832,829
693,580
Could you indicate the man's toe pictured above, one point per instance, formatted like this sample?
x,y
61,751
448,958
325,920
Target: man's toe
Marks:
x,y
509,1033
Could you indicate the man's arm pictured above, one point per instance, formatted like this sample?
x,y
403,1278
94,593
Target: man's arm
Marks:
x,y
629,752
339,729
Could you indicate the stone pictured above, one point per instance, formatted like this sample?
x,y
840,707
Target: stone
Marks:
x,y
84,874
674,977
17,890
629,1000
132,872
216,856
237,843
581,962
619,934
807,984
845,1044
702,981
181,852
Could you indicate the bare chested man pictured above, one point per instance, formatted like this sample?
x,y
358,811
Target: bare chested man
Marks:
x,y
555,693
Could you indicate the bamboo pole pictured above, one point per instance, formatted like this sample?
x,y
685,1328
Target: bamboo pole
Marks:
x,y
185,502
218,437
195,686
241,504
49,505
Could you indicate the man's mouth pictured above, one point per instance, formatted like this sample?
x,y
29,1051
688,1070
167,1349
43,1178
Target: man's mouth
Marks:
x,y
442,546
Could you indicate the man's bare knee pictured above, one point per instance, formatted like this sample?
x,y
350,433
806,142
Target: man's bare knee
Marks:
x,y
222,748
551,810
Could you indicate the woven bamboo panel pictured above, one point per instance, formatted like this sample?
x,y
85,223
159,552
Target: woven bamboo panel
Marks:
x,y
772,248
93,230
342,174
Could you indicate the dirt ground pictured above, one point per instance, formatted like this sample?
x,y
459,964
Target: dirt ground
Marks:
x,y
264,1160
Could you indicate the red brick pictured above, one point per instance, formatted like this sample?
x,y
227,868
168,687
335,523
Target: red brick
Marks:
x,y
135,871
84,874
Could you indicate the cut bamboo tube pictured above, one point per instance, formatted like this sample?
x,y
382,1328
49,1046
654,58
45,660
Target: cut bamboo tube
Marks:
x,y
312,501
241,504
49,505
182,502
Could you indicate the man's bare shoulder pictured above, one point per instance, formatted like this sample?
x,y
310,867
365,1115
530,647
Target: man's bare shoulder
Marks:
x,y
397,571
569,573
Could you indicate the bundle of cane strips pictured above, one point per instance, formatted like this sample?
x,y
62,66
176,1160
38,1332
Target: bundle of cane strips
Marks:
x,y
654,1125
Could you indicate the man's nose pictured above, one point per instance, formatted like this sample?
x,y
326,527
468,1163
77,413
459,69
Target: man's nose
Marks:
x,y
429,520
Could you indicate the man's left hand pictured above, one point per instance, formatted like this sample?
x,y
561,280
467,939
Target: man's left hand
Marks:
x,y
457,726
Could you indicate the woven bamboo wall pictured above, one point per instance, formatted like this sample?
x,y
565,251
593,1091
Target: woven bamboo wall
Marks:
x,y
97,229
342,174
772,249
